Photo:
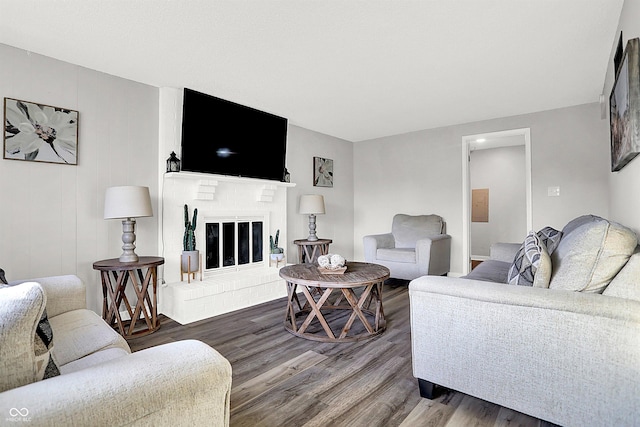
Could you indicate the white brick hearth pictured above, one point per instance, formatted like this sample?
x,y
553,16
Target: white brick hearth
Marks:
x,y
223,289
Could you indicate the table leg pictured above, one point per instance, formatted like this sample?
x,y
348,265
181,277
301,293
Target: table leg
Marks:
x,y
356,305
315,312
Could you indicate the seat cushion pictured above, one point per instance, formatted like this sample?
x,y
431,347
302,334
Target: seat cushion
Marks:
x,y
407,229
407,255
79,333
93,359
490,270
591,252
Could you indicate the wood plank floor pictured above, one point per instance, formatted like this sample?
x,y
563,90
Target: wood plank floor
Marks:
x,y
283,380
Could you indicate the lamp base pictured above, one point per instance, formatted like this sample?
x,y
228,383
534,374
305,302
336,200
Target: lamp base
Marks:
x,y
312,228
128,238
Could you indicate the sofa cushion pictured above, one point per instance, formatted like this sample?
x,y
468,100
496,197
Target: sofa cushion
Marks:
x,y
532,264
591,252
93,359
490,270
407,229
626,284
550,237
80,333
21,308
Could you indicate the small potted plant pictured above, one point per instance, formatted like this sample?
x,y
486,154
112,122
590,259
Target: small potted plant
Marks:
x,y
277,254
190,255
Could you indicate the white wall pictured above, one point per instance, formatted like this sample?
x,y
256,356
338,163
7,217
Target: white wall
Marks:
x,y
624,185
421,172
52,217
337,224
501,171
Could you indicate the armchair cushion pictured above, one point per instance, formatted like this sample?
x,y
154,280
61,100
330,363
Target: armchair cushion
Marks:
x,y
397,255
407,229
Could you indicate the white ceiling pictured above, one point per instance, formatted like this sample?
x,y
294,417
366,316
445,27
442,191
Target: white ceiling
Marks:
x,y
352,69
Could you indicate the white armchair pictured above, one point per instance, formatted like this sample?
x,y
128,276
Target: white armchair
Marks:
x,y
417,246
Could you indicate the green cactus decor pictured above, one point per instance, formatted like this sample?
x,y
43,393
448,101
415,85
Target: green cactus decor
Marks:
x,y
273,243
189,240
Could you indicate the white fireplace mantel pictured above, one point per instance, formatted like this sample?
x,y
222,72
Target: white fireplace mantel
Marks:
x,y
217,196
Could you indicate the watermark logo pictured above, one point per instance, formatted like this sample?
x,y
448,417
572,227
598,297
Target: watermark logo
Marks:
x,y
18,415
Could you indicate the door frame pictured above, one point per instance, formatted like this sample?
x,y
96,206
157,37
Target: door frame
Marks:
x,y
467,140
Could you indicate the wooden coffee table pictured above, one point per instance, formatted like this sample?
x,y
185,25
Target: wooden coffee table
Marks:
x,y
358,290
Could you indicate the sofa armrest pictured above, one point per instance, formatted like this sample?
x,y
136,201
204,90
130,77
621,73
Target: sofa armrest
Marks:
x,y
433,254
64,293
373,242
505,252
182,383
538,351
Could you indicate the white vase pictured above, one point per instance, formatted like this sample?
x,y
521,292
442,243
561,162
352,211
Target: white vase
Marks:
x,y
190,259
277,257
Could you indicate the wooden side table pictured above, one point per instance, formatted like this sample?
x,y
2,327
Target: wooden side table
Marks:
x,y
115,276
310,250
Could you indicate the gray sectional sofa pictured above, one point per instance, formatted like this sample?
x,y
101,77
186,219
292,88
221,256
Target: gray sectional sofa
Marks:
x,y
564,348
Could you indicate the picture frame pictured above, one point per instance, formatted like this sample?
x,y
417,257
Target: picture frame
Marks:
x,y
322,172
624,108
37,132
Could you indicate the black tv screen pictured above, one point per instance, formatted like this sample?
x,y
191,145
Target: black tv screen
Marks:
x,y
225,138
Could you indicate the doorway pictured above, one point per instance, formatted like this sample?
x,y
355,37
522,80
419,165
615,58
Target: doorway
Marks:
x,y
495,146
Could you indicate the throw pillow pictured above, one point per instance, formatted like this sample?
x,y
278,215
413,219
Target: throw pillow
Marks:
x,y
531,265
550,237
43,345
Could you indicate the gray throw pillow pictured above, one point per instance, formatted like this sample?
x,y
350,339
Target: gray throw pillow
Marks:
x,y
531,265
550,237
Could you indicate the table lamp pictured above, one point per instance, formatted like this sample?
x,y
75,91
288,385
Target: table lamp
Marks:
x,y
312,204
128,203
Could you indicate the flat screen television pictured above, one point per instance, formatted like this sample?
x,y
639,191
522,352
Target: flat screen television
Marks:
x,y
225,138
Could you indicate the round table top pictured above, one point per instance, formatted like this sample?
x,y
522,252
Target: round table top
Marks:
x,y
312,242
116,264
357,274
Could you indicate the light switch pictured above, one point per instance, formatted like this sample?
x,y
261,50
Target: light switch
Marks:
x,y
553,191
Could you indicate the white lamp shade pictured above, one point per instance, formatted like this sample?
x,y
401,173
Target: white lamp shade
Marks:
x,y
127,202
311,204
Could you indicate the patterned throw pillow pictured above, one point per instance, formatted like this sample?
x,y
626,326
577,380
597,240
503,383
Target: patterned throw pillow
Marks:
x,y
532,264
43,344
550,237
43,340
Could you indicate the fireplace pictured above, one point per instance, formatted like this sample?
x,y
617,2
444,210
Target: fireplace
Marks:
x,y
236,216
231,244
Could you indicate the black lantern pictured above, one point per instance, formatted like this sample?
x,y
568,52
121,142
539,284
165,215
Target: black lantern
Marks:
x,y
173,163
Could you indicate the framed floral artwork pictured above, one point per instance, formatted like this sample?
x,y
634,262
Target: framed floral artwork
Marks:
x,y
322,172
40,133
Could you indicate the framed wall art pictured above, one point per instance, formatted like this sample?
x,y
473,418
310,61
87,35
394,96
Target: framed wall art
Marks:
x,y
624,108
40,133
322,172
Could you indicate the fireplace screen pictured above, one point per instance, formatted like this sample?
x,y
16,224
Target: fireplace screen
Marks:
x,y
233,243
